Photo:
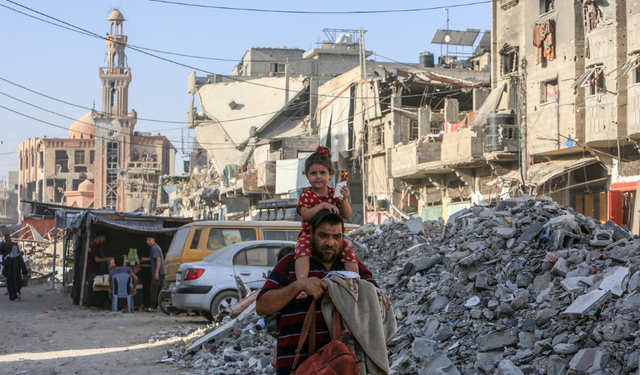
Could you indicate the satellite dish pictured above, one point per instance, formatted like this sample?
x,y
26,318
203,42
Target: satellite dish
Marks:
x,y
447,38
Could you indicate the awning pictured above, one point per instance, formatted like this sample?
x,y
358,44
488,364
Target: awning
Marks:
x,y
623,69
584,79
132,225
624,186
538,174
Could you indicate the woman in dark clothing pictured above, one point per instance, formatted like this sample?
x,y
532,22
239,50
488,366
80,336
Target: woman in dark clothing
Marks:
x,y
14,268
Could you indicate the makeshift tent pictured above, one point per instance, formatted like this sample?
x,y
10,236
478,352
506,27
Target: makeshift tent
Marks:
x,y
123,231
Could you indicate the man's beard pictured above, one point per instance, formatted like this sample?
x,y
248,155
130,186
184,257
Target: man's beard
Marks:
x,y
318,252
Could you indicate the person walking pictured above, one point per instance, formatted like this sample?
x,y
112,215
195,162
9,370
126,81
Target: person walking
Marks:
x,y
14,268
157,273
5,250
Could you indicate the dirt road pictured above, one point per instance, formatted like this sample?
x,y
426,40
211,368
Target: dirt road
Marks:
x,y
80,341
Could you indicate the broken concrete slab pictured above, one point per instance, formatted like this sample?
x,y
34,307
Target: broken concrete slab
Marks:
x,y
415,225
616,281
575,284
531,232
589,361
560,268
506,367
618,232
497,340
587,302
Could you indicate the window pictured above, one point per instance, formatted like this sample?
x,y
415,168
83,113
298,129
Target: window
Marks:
x,y
92,157
549,91
219,238
377,135
596,82
135,156
196,239
592,80
277,68
436,127
546,6
508,59
79,157
413,130
154,158
145,156
280,235
259,257
62,161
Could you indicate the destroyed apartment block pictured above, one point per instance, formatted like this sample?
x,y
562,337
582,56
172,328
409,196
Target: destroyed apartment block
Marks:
x,y
422,135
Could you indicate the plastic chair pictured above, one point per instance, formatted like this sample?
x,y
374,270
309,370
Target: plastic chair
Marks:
x,y
122,288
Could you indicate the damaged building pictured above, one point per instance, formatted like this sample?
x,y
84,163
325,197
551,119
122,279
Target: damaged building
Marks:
x,y
104,163
570,73
246,123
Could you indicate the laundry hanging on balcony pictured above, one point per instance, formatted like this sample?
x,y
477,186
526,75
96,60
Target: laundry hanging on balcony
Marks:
x,y
544,41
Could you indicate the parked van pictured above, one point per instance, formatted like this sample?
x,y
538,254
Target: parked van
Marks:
x,y
195,241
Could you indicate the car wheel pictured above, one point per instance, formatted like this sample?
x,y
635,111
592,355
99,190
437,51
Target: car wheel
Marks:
x,y
164,303
223,300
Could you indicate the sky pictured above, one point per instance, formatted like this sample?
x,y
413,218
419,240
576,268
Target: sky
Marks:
x,y
63,64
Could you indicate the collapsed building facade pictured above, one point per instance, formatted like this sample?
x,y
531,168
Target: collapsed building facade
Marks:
x,y
570,73
104,163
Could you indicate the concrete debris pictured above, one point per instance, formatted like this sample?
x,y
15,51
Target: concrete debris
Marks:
x,y
521,287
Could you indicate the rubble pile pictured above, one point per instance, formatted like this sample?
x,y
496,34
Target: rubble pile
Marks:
x,y
523,287
238,346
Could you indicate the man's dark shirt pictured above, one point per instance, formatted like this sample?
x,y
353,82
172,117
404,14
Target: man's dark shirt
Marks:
x,y
5,249
290,319
92,265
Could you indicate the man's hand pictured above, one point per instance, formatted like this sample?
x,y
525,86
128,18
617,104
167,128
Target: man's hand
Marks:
x,y
133,292
156,277
313,286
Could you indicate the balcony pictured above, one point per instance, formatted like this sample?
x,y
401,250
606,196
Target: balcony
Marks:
x,y
463,148
601,120
405,159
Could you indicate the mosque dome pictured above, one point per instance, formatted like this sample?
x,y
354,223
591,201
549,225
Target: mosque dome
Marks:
x,y
116,16
86,185
84,127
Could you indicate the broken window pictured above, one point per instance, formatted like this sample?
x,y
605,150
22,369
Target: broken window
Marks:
x,y
508,59
414,130
277,68
75,184
549,91
135,156
62,161
59,187
92,157
79,157
592,79
377,135
145,156
154,158
590,16
436,127
546,6
40,158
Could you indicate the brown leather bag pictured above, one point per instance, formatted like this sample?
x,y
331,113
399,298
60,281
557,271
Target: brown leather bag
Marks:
x,y
335,358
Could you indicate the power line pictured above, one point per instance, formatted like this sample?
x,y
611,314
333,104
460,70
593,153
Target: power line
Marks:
x,y
92,34
319,12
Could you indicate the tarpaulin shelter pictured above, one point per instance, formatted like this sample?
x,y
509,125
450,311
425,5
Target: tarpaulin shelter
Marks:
x,y
123,231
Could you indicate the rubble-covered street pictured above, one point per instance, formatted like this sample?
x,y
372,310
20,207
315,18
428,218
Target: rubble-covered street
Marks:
x,y
46,334
522,287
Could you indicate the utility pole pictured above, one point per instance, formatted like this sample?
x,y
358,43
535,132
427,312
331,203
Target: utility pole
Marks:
x,y
363,78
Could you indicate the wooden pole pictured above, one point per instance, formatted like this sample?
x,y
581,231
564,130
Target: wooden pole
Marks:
x,y
635,225
84,273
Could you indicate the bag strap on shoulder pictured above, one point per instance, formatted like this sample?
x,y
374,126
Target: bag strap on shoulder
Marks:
x,y
309,324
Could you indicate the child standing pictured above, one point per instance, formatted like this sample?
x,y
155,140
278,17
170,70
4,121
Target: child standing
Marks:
x,y
318,169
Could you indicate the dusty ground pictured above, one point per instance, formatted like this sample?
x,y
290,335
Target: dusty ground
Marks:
x,y
80,341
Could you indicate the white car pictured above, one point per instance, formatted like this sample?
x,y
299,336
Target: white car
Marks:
x,y
209,286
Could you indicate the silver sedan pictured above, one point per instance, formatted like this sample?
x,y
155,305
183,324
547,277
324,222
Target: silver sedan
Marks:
x,y
209,286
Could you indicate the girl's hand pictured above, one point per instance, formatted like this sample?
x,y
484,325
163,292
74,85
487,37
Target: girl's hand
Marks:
x,y
330,207
345,191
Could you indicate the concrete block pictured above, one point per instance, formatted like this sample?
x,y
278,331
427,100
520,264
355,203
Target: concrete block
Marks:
x,y
497,340
589,361
616,281
602,238
574,284
587,302
560,268
531,232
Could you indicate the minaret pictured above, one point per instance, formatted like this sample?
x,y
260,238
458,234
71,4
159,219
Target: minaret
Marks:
x,y
116,76
114,126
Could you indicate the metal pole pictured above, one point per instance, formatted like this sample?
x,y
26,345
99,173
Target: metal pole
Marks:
x,y
84,269
55,243
64,254
363,78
